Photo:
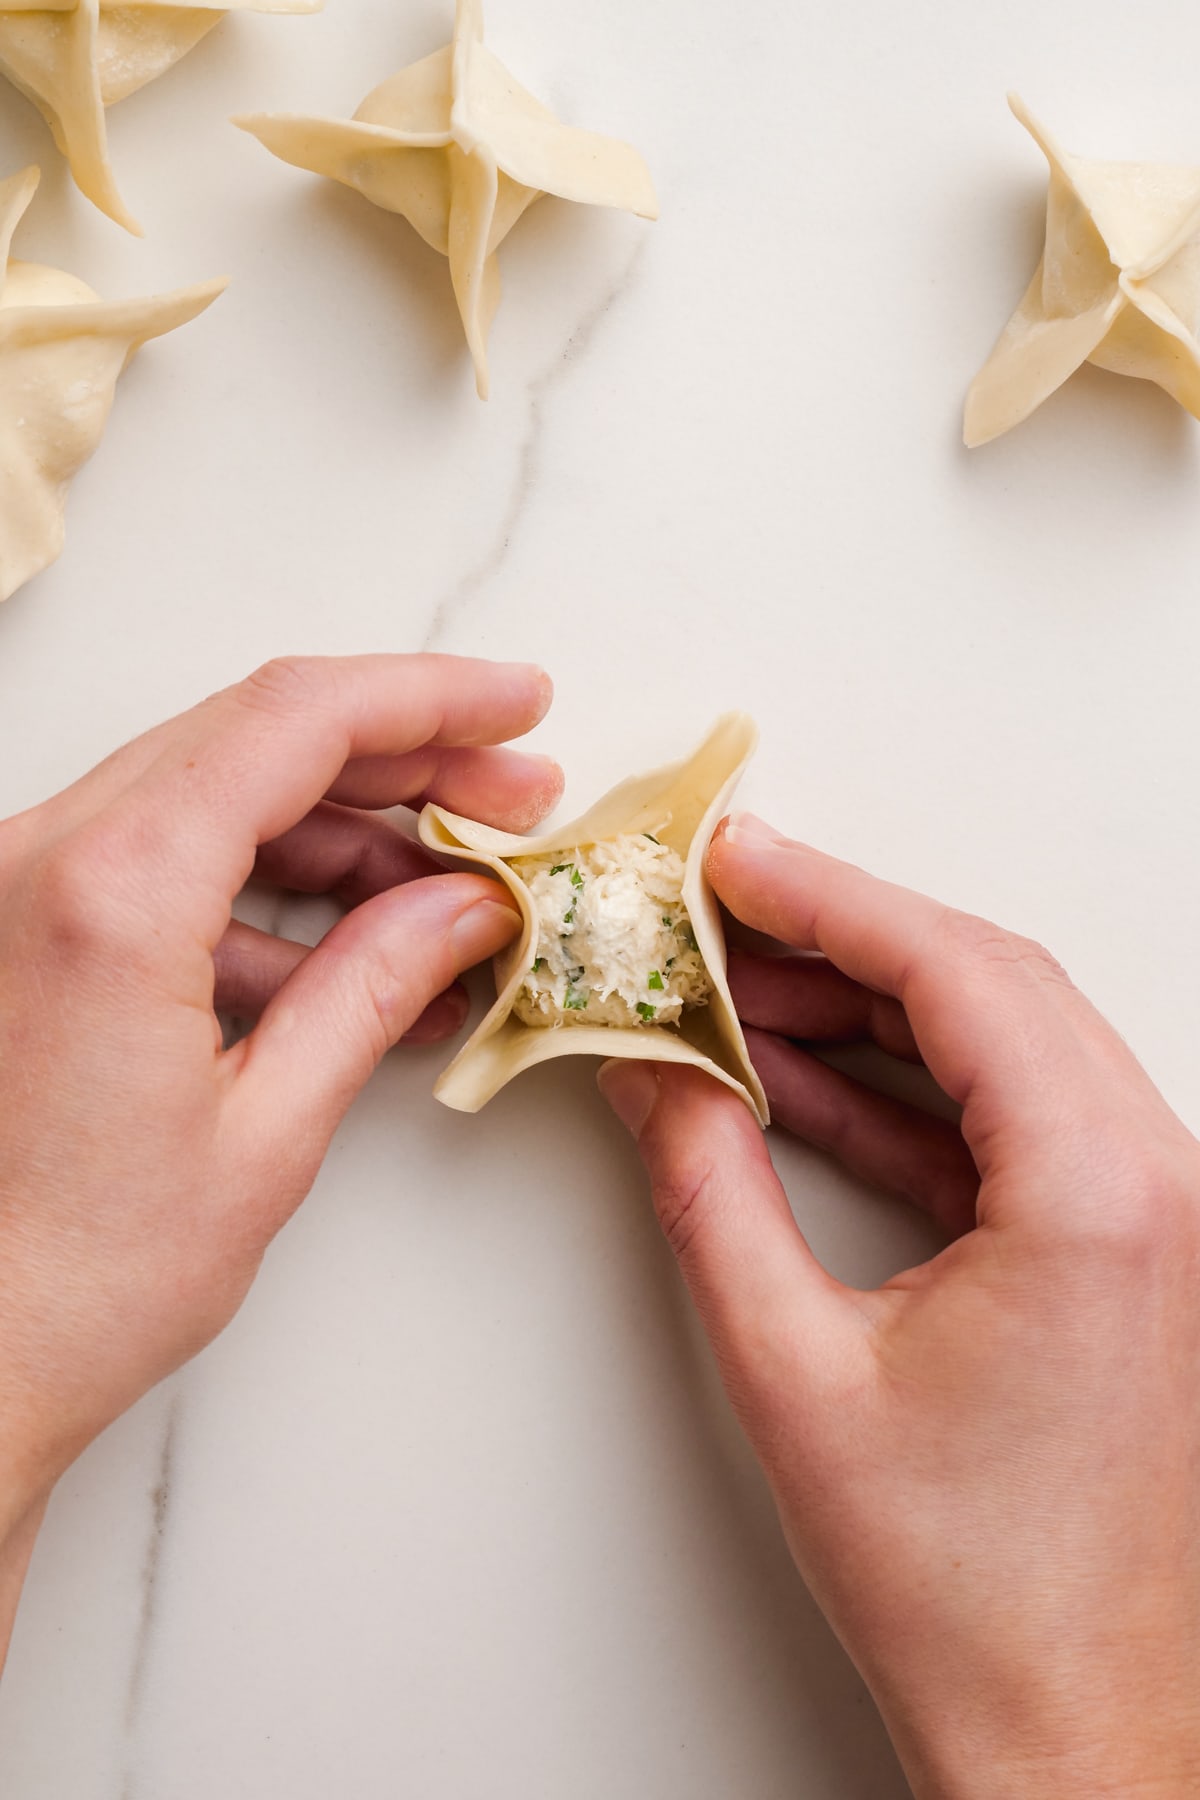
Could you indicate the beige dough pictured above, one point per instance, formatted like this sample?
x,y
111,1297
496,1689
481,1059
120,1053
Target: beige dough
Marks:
x,y
73,58
1118,285
61,353
459,149
682,805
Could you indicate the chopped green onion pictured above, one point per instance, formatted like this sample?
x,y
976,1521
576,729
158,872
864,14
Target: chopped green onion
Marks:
x,y
575,1000
540,963
576,877
655,981
668,921
646,1012
559,867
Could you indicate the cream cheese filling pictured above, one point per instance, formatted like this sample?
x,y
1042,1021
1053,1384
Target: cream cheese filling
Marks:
x,y
615,945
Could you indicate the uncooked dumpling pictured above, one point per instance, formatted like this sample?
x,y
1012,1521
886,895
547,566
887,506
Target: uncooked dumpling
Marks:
x,y
73,58
622,887
460,150
1118,285
61,353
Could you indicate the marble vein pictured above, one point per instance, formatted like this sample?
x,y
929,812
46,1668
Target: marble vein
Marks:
x,y
160,1502
457,601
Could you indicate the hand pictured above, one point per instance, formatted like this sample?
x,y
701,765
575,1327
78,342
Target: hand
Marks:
x,y
143,1169
989,1470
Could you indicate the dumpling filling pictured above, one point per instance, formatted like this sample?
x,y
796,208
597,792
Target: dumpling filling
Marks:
x,y
614,945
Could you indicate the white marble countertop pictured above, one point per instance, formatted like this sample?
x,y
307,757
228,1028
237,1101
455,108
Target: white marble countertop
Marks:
x,y
455,1509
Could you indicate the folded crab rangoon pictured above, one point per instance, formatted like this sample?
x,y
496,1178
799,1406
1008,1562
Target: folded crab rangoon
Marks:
x,y
622,951
76,58
62,352
1118,285
458,147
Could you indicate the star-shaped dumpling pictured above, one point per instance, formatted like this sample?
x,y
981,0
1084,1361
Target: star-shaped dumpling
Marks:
x,y
61,353
460,150
73,58
1118,285
622,951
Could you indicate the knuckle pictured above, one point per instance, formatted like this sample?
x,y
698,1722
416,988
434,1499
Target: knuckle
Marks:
x,y
76,894
1125,1233
681,1200
286,684
1042,963
380,1030
966,935
1141,1217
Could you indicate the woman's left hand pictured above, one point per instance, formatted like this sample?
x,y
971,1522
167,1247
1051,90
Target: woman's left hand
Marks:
x,y
144,1169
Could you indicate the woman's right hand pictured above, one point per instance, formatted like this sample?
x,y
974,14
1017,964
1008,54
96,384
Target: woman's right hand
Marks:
x,y
988,1470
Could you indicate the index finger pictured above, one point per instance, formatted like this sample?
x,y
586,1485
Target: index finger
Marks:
x,y
1000,1025
246,764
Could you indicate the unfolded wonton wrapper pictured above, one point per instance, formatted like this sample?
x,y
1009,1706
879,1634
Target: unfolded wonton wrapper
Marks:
x,y
73,58
1118,285
459,149
62,351
682,804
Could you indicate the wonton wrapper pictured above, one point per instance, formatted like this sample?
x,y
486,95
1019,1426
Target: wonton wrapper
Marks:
x,y
61,353
1118,285
694,796
459,149
73,58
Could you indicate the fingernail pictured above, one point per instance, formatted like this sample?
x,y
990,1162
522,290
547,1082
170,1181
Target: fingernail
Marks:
x,y
753,833
631,1089
483,929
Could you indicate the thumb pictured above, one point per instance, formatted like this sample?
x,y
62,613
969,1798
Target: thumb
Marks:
x,y
776,1321
357,994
